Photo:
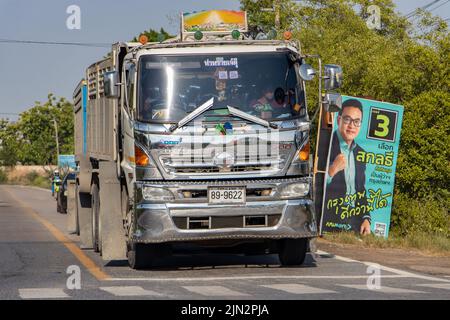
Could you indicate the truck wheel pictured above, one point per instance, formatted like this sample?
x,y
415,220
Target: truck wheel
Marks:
x,y
96,218
77,204
292,252
140,256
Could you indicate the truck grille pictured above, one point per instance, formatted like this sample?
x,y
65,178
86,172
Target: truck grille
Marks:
x,y
218,222
187,165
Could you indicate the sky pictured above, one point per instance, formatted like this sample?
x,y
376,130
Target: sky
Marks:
x,y
28,73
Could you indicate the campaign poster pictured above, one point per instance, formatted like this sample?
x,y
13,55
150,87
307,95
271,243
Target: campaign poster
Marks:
x,y
360,174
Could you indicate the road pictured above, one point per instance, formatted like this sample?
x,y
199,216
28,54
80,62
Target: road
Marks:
x,y
36,251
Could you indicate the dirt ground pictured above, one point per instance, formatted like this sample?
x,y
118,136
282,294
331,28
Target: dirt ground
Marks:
x,y
405,259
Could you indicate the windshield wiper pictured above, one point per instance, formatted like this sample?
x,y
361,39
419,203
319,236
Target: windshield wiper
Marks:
x,y
194,114
252,118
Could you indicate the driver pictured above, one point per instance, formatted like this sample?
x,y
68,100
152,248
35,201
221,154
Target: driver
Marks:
x,y
279,99
147,109
152,95
281,103
266,99
263,106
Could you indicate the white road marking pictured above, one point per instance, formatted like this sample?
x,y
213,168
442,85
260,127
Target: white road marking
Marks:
x,y
43,293
406,273
320,252
130,291
214,291
399,272
250,277
297,288
383,289
445,286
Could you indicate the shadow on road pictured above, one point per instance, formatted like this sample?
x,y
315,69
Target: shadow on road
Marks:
x,y
215,261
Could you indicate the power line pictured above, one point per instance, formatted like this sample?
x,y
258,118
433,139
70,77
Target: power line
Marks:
x,y
439,6
432,9
415,11
80,44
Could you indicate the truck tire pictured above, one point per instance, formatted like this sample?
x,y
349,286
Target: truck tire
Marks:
x,y
140,256
96,239
292,252
77,204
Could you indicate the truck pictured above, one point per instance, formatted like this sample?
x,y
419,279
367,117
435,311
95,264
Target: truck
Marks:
x,y
199,140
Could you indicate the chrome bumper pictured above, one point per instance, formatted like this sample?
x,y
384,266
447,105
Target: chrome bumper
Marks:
x,y
154,222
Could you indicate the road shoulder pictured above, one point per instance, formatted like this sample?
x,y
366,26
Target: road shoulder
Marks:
x,y
406,259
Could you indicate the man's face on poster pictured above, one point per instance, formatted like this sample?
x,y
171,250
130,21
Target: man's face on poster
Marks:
x,y
350,123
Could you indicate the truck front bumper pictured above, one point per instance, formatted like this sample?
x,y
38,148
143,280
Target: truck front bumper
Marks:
x,y
196,220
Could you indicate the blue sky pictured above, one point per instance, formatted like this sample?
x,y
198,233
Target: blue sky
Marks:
x,y
29,72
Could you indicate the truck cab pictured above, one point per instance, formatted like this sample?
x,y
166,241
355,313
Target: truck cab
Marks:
x,y
204,142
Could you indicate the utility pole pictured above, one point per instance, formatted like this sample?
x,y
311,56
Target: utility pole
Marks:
x,y
277,9
56,137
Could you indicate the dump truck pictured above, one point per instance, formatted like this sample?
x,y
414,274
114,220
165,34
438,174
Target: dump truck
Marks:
x,y
199,140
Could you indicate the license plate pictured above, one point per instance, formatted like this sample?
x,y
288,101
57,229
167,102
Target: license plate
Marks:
x,y
226,195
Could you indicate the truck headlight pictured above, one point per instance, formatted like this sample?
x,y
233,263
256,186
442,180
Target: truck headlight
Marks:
x,y
293,190
157,194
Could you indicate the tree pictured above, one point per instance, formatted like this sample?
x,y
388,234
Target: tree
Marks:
x,y
400,63
423,163
154,36
9,143
266,19
31,140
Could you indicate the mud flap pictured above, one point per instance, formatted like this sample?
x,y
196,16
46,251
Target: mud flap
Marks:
x,y
85,219
72,219
111,225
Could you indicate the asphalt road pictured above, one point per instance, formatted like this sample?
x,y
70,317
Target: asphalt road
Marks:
x,y
36,252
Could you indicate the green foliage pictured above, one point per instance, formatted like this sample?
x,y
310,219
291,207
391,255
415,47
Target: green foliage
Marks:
x,y
423,163
400,63
3,176
154,36
413,215
9,143
41,182
266,19
32,140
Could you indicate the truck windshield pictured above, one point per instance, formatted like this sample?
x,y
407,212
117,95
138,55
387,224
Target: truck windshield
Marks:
x,y
262,84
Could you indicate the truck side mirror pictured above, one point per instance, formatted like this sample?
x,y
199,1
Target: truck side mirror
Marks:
x,y
110,84
307,72
333,102
333,77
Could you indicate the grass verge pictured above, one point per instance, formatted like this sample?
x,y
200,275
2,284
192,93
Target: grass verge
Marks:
x,y
429,243
30,179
